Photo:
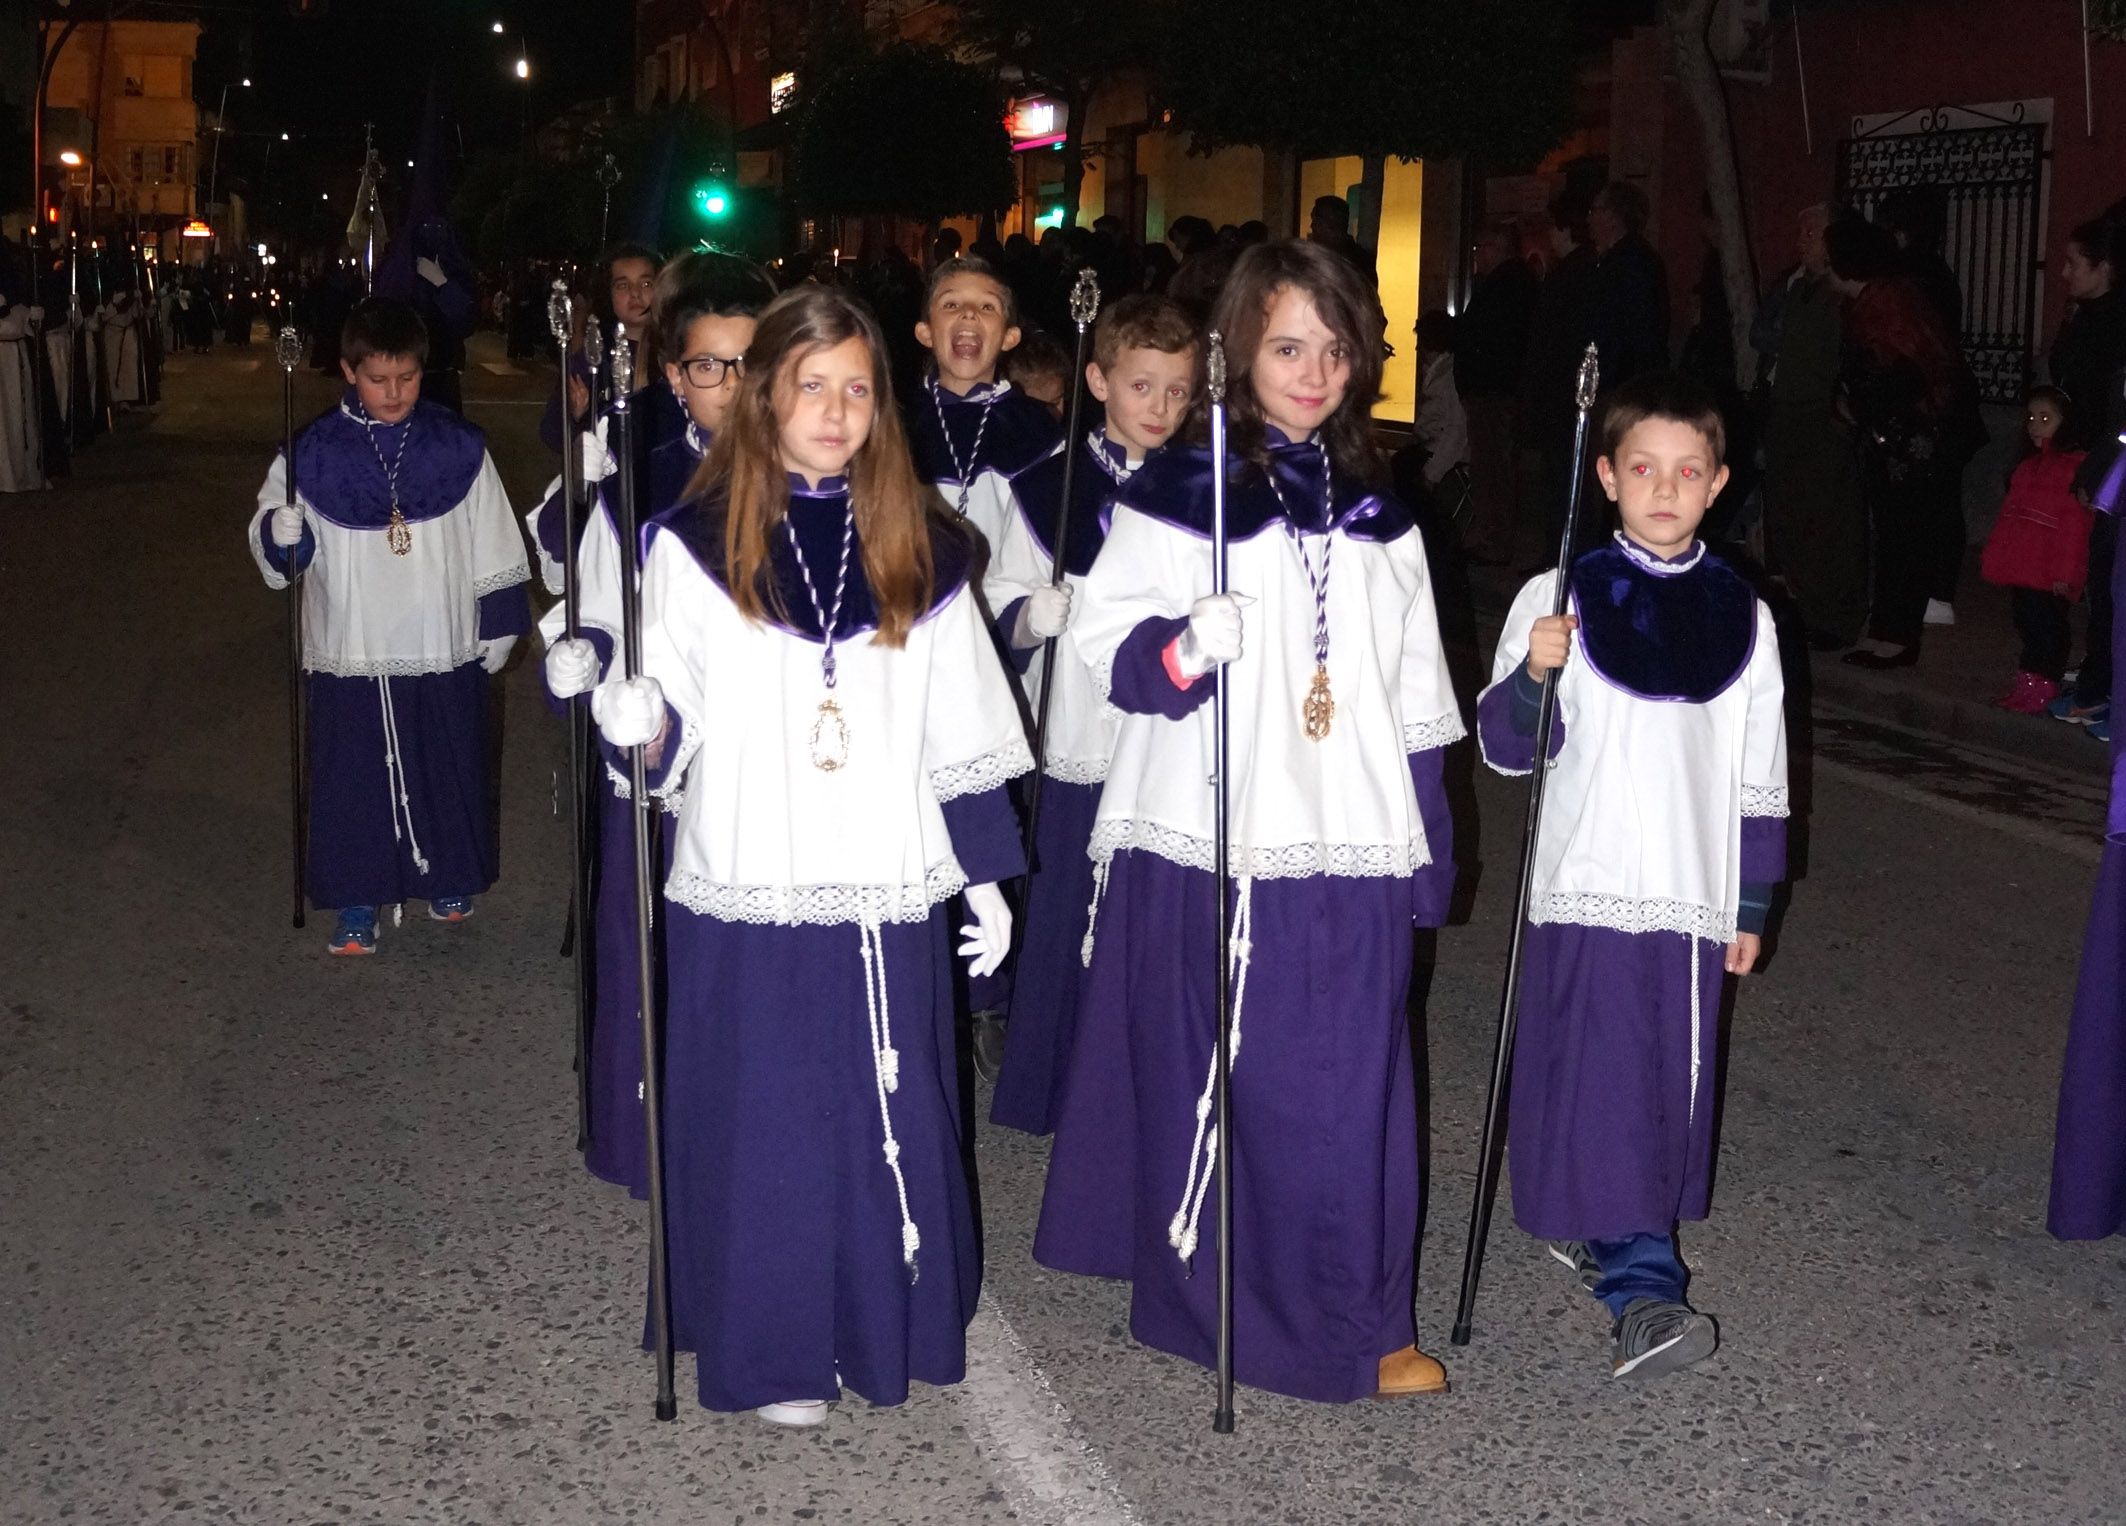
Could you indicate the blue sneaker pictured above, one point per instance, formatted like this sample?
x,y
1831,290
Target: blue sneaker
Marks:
x,y
2100,728
454,908
2067,708
355,932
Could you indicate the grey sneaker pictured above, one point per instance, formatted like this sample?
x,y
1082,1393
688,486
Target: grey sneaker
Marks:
x,y
1656,1337
989,1044
1572,1255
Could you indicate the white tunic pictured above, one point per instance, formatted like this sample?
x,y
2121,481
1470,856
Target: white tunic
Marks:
x,y
1344,805
21,440
765,836
1642,815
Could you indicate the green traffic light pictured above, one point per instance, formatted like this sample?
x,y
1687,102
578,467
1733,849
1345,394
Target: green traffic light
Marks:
x,y
711,199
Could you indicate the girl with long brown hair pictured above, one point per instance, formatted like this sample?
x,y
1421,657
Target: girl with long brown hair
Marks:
x,y
1340,840
819,676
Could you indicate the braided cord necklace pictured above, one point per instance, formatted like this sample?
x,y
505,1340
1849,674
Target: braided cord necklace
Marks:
x,y
964,470
1319,708
830,731
398,535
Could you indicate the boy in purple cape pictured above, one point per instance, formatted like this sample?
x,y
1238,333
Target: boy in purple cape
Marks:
x,y
2089,1147
415,575
1663,832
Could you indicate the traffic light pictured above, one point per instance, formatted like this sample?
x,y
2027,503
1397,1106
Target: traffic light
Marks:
x,y
712,200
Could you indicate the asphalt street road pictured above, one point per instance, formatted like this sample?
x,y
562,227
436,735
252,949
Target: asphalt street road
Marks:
x,y
291,1239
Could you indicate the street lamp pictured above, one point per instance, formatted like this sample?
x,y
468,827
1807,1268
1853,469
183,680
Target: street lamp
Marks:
x,y
220,117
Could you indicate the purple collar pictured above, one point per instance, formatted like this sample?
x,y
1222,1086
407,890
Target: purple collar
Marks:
x,y
1174,486
342,475
1680,631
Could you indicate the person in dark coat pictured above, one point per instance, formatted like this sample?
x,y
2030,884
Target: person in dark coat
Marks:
x,y
1490,355
1557,335
1630,311
2088,363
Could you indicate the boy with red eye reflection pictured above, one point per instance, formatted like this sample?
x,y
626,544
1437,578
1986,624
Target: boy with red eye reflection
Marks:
x,y
1663,831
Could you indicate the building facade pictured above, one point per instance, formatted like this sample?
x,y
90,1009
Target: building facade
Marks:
x,y
120,101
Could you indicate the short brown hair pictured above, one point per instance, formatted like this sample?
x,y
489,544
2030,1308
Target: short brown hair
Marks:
x,y
1666,395
971,265
1145,321
383,326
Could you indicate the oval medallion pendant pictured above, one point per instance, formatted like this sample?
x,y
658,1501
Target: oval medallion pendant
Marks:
x,y
830,738
398,535
1319,708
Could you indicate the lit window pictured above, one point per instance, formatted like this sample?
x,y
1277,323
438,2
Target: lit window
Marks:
x,y
782,91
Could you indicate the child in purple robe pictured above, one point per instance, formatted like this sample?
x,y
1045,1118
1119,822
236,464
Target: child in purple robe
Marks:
x,y
1664,830
413,574
821,679
1340,845
707,305
1143,372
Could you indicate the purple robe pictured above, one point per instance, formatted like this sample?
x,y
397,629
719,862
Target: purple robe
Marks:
x,y
788,1279
2089,1143
1044,1003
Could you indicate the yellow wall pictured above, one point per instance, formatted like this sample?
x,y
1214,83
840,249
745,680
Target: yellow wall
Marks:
x,y
1401,218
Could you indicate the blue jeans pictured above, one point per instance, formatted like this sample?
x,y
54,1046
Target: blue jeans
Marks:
x,y
1635,1267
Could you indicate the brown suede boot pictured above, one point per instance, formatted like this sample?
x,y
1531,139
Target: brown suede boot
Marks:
x,y
1409,1371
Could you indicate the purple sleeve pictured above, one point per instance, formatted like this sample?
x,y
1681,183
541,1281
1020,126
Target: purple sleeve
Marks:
x,y
602,644
548,527
1020,657
654,778
1141,685
985,836
505,612
1432,888
277,556
1505,719
1763,850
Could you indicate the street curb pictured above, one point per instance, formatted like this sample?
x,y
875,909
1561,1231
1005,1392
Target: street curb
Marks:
x,y
2037,739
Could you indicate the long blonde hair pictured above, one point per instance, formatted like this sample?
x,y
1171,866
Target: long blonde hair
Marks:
x,y
744,465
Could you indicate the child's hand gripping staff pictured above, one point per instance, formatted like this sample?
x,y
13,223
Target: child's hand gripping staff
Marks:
x,y
1549,645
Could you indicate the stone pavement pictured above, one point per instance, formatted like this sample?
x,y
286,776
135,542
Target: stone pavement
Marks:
x,y
296,1240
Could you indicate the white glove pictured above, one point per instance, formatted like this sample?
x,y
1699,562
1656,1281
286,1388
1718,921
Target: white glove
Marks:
x,y
430,271
1213,635
287,527
1044,613
629,711
494,655
989,939
571,667
598,463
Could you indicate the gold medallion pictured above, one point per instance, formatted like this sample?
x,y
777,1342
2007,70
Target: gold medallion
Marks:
x,y
830,738
1320,706
398,535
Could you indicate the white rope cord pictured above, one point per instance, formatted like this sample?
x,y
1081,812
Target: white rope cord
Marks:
x,y
1691,942
395,775
886,1070
1181,1233
1092,913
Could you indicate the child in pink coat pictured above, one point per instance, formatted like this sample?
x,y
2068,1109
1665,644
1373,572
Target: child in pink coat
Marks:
x,y
2039,551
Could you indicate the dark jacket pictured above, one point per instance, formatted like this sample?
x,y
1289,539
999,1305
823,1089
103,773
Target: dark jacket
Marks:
x,y
1630,312
1562,326
1491,336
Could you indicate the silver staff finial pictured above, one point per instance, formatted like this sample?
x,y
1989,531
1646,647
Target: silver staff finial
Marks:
x,y
594,345
288,348
1085,298
558,314
1590,379
623,366
1214,367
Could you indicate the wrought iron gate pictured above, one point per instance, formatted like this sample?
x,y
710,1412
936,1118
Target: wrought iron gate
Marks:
x,y
1990,182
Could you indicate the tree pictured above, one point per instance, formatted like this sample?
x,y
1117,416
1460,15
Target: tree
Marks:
x,y
931,134
1067,49
1686,22
1488,80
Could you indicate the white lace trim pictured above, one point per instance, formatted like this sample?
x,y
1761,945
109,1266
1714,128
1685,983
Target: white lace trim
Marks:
x,y
495,582
624,789
1764,800
987,772
1078,770
387,667
815,905
1290,861
1103,673
675,779
1423,736
1631,914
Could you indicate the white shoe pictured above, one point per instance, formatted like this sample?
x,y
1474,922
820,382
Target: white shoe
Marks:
x,y
1940,612
795,1412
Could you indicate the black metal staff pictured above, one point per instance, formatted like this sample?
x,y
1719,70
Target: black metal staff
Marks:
x,y
559,320
1491,1147
652,1096
1084,307
608,177
1221,811
288,350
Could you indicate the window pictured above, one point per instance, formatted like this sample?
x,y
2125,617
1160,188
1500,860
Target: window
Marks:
x,y
136,76
134,163
170,157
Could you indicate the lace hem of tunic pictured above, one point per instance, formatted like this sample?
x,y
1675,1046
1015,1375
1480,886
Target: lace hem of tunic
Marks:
x,y
624,789
1291,861
815,905
979,775
1078,770
1631,914
674,786
387,667
1764,800
1440,731
495,582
